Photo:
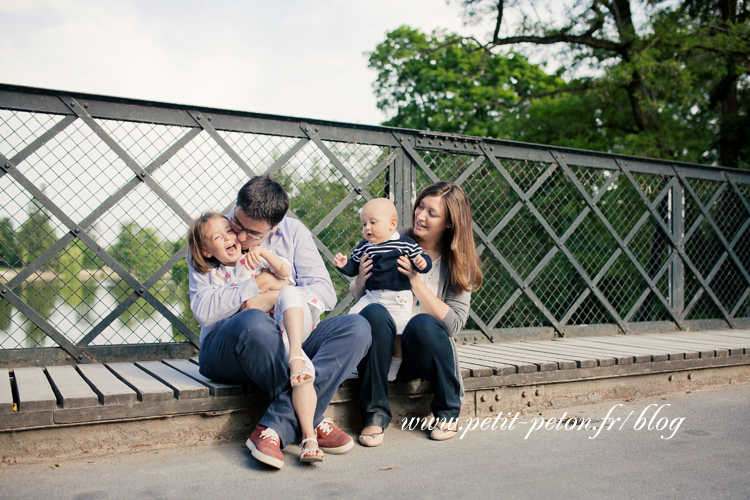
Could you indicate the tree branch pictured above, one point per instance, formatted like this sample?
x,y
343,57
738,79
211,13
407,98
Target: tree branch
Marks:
x,y
585,39
558,91
498,21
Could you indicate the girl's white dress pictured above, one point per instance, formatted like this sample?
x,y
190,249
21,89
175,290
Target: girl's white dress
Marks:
x,y
289,296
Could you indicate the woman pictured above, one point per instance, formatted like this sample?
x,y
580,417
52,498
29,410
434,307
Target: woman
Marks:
x,y
441,224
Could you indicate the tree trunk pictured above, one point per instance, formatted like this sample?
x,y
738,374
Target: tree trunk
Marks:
x,y
726,95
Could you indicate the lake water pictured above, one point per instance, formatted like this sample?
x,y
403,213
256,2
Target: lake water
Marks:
x,y
75,307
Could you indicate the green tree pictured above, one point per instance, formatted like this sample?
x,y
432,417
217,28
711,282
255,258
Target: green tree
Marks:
x,y
672,85
139,249
89,260
36,234
69,262
8,244
180,271
447,83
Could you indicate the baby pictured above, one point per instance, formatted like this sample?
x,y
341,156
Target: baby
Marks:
x,y
387,285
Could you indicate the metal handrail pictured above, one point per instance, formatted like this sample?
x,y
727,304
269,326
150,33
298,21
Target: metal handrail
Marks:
x,y
97,192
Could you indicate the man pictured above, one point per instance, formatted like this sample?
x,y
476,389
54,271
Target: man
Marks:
x,y
240,343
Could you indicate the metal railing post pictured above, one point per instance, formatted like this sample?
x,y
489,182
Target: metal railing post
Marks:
x,y
677,269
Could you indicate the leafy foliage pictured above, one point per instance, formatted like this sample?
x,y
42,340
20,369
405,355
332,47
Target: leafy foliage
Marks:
x,y
36,234
8,244
442,82
675,85
139,249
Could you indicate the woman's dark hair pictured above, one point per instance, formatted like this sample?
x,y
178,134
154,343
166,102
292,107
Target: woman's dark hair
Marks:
x,y
457,249
263,199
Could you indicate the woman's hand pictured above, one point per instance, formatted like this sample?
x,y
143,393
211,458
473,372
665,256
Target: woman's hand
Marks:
x,y
428,301
405,267
365,271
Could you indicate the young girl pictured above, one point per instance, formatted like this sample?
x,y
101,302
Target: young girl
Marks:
x,y
214,250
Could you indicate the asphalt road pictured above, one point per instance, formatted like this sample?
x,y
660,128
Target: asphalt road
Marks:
x,y
702,450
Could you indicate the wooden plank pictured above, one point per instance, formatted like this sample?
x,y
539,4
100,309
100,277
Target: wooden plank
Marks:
x,y
621,357
478,370
563,363
573,353
633,369
473,356
521,366
72,391
703,336
34,391
110,389
736,345
168,408
658,352
500,368
736,334
484,367
147,387
215,388
729,340
6,393
721,347
639,355
498,350
690,349
733,334
184,386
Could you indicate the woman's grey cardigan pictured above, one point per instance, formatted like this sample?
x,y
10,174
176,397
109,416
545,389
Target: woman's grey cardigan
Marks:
x,y
457,316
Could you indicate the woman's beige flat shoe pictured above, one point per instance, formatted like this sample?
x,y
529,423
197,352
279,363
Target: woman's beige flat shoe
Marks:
x,y
372,439
443,433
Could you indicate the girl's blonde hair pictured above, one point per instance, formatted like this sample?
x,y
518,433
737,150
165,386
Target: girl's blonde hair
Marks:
x,y
196,240
457,249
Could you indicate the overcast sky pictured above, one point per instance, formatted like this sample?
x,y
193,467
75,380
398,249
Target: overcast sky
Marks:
x,y
302,58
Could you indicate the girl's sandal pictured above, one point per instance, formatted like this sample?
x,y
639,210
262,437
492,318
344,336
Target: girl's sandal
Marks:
x,y
301,377
309,455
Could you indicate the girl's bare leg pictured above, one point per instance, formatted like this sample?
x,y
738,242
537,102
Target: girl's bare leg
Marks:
x,y
304,398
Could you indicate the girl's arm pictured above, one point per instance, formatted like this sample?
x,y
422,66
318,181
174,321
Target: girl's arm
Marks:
x,y
278,265
211,303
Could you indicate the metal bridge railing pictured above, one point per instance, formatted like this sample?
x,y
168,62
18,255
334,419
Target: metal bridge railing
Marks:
x,y
96,194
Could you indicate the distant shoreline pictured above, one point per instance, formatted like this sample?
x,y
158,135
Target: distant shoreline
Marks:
x,y
84,275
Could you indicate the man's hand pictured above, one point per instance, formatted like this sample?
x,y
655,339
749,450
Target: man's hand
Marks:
x,y
268,281
263,301
339,260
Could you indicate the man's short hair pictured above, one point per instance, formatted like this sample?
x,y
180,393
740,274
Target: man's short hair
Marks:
x,y
263,199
